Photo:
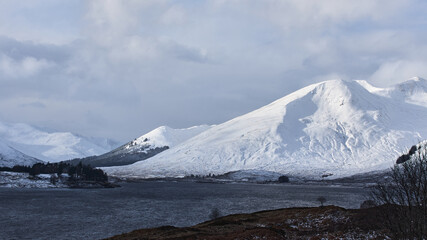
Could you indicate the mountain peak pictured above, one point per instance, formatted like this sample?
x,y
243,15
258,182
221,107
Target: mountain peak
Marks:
x,y
417,79
167,136
413,91
333,127
413,84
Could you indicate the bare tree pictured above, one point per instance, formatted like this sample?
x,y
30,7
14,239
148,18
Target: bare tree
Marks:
x,y
214,214
322,200
404,198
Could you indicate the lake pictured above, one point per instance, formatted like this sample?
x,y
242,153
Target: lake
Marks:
x,y
100,213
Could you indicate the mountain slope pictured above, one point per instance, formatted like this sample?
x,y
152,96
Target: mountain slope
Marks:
x,y
51,146
144,147
412,91
333,127
10,157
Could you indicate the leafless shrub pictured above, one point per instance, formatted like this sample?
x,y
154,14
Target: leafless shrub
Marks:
x,y
322,200
404,198
214,214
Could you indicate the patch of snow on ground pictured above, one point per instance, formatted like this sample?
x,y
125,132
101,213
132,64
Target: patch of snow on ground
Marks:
x,y
251,176
22,180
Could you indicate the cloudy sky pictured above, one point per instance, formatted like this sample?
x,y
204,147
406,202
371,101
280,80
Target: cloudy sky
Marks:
x,y
121,68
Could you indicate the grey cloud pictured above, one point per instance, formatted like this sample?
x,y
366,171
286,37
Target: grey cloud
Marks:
x,y
19,50
187,53
141,64
33,105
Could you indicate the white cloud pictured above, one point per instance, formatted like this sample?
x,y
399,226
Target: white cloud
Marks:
x,y
25,67
390,73
47,21
174,15
314,15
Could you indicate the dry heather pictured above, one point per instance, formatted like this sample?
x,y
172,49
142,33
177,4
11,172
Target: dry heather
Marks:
x,y
328,222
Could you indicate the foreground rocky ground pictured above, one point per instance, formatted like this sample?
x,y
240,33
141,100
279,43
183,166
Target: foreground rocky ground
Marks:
x,y
329,222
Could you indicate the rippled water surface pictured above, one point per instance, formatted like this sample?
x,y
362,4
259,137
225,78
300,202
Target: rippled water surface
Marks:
x,y
100,213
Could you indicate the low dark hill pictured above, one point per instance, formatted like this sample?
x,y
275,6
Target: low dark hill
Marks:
x,y
328,222
119,156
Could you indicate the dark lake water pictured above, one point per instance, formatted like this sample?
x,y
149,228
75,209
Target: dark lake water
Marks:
x,y
100,213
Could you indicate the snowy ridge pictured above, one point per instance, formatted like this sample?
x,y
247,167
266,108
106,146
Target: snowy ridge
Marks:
x,y
412,91
52,147
10,157
164,136
333,127
146,146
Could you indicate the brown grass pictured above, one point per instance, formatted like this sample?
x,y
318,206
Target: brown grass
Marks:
x,y
329,222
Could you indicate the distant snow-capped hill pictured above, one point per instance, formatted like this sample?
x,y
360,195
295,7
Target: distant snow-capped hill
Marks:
x,y
10,157
52,146
412,91
144,147
333,128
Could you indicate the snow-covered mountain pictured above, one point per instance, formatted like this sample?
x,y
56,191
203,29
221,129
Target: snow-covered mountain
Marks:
x,y
333,127
10,157
52,146
412,91
144,147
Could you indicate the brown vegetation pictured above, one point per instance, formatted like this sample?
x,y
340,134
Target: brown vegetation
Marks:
x,y
329,222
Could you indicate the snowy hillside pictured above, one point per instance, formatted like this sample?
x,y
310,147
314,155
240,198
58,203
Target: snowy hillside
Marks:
x,y
10,157
144,147
333,127
51,146
164,136
412,91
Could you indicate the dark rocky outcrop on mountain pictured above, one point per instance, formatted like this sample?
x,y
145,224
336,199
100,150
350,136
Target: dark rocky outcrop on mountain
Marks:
x,y
120,156
405,157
